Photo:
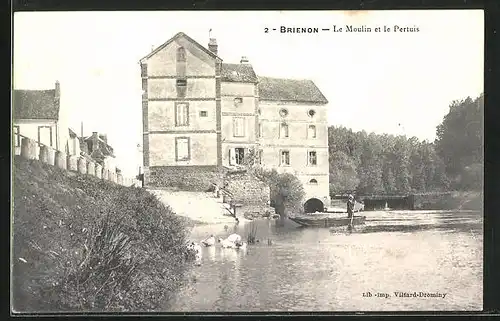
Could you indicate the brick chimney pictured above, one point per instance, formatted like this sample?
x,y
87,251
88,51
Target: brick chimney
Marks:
x,y
212,45
95,142
244,60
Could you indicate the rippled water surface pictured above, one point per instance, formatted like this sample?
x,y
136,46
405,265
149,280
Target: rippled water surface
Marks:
x,y
315,269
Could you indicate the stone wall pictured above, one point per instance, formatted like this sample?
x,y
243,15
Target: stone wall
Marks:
x,y
248,191
187,178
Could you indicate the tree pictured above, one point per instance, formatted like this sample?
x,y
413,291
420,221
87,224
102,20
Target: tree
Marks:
x,y
343,175
287,191
459,140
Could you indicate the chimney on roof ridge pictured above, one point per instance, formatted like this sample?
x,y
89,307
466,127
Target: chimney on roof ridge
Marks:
x,y
244,60
95,142
212,45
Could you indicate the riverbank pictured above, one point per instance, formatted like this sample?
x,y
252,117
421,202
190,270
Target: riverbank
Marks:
x,y
456,200
84,244
199,207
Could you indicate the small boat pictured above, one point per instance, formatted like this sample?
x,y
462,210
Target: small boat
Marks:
x,y
327,221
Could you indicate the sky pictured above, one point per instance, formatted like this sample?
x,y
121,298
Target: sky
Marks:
x,y
400,83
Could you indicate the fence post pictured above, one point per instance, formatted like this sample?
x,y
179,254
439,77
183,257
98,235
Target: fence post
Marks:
x,y
105,173
44,154
60,160
28,148
51,156
72,164
119,179
82,165
91,168
98,170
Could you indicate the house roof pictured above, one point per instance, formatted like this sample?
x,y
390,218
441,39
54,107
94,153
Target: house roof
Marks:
x,y
177,36
238,73
72,133
277,89
35,104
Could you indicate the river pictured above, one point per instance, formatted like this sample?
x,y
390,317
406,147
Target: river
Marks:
x,y
315,269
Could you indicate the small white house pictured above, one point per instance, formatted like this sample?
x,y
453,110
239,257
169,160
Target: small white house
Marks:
x,y
37,115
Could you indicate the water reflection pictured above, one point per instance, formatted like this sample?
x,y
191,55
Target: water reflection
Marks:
x,y
307,269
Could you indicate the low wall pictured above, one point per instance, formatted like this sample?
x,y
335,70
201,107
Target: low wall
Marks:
x,y
33,150
186,178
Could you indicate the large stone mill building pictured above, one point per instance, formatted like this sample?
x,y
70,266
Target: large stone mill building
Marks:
x,y
201,115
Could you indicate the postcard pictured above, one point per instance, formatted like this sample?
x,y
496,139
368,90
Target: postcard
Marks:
x,y
244,161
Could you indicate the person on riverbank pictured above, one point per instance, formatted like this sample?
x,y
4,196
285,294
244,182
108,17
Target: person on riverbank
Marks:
x,y
350,211
350,206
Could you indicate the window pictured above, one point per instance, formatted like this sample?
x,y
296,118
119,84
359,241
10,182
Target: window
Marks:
x,y
239,155
312,159
181,114
236,156
285,157
181,88
181,62
259,111
238,127
181,55
283,112
17,138
313,181
283,130
45,135
238,101
311,131
203,113
182,149
311,113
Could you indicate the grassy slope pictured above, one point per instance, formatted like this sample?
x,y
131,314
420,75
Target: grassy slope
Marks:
x,y
91,244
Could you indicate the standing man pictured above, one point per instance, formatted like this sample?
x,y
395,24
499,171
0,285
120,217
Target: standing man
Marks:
x,y
350,206
350,212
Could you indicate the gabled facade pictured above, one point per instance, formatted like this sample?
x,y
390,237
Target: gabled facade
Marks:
x,y
37,115
201,115
97,148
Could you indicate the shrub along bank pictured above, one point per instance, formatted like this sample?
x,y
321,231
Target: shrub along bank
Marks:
x,y
85,244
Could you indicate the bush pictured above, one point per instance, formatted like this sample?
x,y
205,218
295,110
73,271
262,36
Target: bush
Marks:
x,y
287,192
84,244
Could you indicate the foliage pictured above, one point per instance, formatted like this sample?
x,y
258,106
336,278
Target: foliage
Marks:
x,y
287,191
371,163
459,141
91,245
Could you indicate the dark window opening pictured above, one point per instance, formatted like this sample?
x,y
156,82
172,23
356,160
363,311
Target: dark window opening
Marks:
x,y
312,158
239,155
285,157
203,113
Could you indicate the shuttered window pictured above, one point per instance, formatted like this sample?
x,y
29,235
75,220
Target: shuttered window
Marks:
x,y
311,131
283,130
285,157
238,127
312,159
181,114
182,152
